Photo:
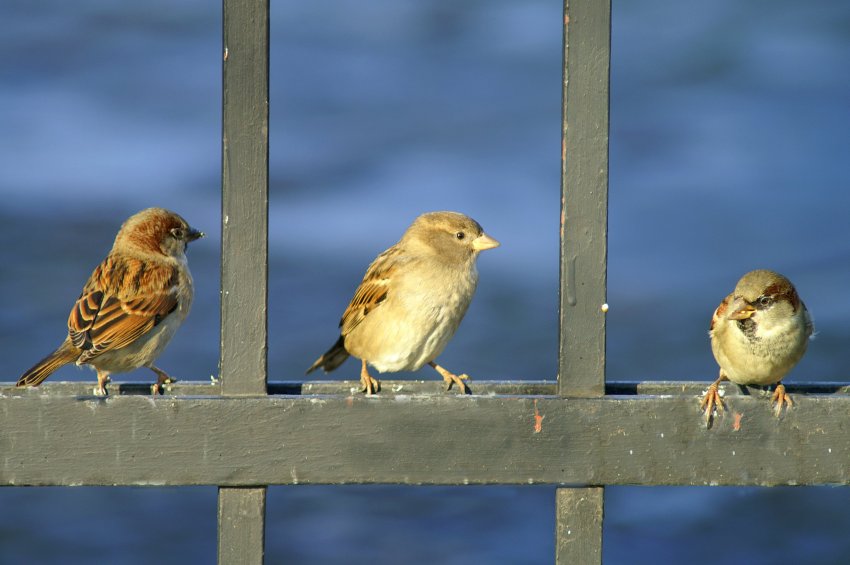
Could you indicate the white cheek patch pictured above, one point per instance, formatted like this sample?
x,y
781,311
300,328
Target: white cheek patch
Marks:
x,y
774,324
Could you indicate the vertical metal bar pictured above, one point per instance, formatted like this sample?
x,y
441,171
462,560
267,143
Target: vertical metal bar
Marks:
x,y
579,525
241,525
244,250
244,210
584,249
584,197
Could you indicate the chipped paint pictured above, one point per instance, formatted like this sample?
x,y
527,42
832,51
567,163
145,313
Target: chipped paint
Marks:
x,y
538,419
736,424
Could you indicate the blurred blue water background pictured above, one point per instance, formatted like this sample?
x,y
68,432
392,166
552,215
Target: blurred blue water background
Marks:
x,y
729,151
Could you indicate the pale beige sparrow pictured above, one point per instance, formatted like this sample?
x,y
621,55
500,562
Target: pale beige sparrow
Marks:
x,y
412,299
758,333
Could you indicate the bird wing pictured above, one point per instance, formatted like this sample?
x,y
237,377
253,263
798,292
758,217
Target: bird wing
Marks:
x,y
123,299
373,290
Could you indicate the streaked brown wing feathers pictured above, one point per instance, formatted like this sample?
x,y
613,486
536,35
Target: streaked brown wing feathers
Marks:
x,y
111,313
373,290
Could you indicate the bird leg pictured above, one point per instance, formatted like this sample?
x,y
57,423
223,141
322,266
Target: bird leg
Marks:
x,y
451,378
162,378
780,398
370,384
711,402
102,379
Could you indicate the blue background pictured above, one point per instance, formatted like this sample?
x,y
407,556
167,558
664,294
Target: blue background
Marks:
x,y
729,152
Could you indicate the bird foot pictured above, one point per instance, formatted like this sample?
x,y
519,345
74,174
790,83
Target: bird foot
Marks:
x,y
712,404
451,379
459,379
162,378
161,381
371,385
100,389
781,399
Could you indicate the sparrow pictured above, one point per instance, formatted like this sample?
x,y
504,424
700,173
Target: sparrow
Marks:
x,y
132,304
411,300
758,333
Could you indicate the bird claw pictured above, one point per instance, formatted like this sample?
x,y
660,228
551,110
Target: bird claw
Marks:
x,y
371,385
781,399
712,404
100,389
162,379
451,379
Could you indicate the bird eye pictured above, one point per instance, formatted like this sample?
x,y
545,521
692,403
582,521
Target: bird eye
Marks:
x,y
460,235
765,301
178,233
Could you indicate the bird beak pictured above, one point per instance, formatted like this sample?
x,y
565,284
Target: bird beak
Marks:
x,y
194,234
741,310
483,242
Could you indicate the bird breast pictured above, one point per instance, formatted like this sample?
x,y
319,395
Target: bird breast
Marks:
x,y
415,323
760,351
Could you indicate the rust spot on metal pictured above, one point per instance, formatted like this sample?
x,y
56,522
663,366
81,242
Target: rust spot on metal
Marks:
x,y
736,424
538,419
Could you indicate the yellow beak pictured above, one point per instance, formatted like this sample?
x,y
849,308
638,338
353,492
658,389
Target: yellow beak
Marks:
x,y
483,242
741,310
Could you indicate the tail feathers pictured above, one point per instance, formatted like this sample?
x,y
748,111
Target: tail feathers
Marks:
x,y
62,356
333,357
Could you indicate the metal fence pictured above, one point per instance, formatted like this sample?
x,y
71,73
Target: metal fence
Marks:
x,y
577,433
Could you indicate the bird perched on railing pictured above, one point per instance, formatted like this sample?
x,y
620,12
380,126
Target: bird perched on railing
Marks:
x,y
758,333
132,304
412,299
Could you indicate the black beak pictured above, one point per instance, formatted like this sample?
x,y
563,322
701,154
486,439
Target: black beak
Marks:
x,y
194,234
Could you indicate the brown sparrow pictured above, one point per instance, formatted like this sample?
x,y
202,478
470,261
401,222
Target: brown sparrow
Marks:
x,y
412,299
758,333
132,304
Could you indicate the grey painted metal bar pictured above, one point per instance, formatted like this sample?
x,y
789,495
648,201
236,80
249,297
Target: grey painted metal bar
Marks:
x,y
584,249
241,516
432,386
244,249
579,525
244,210
584,196
420,439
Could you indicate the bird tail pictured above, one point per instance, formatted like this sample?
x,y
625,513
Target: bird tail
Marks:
x,y
66,353
333,358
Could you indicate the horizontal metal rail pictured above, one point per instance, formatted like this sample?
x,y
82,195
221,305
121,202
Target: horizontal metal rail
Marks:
x,y
422,438
432,386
